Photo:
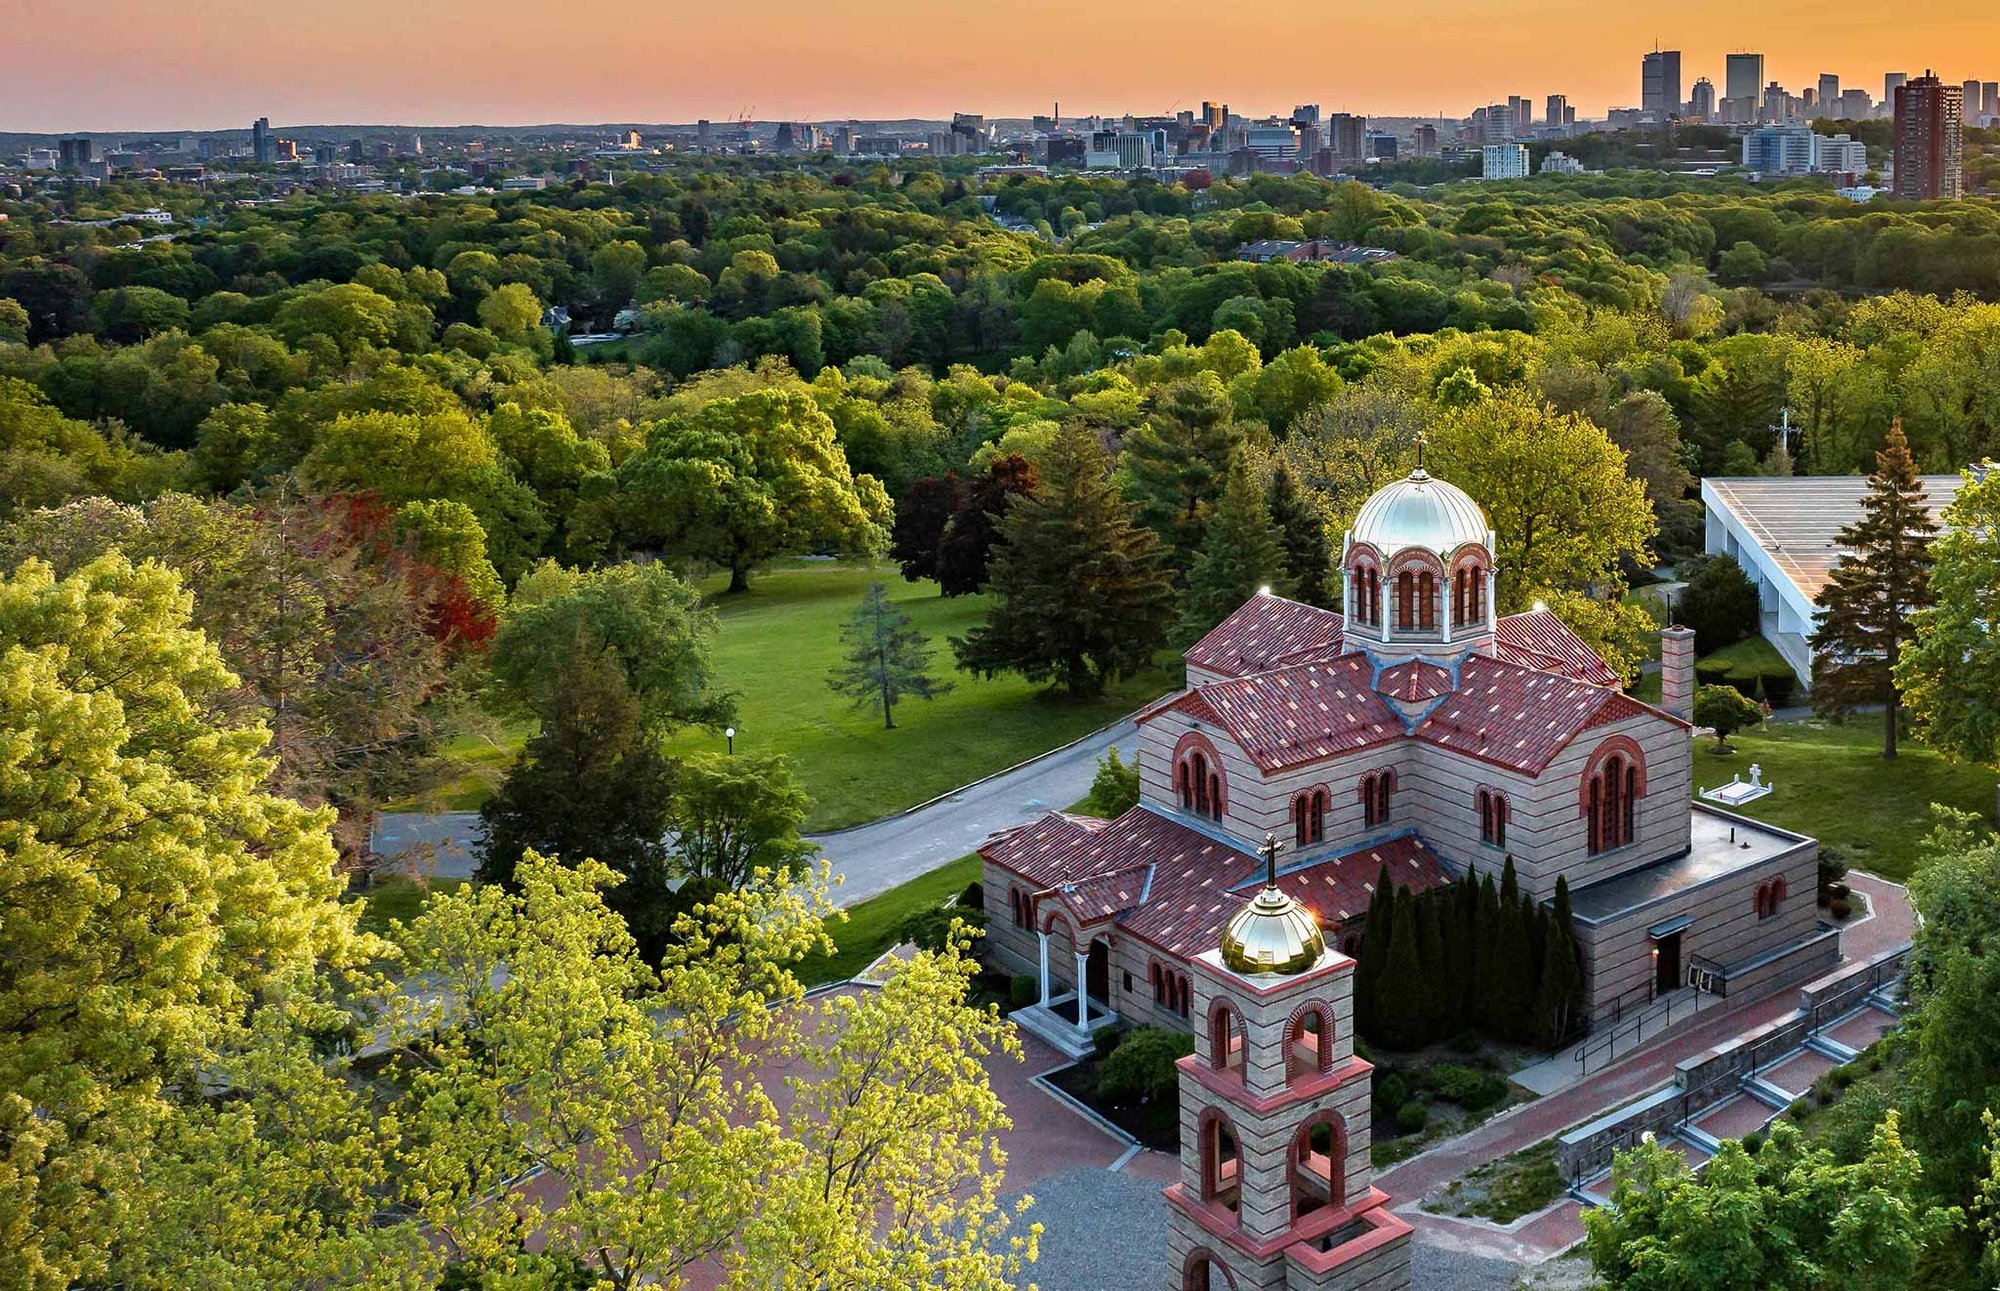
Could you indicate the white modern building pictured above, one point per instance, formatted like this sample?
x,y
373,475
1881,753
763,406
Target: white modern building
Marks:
x,y
1840,155
1561,163
1505,161
1780,150
1782,531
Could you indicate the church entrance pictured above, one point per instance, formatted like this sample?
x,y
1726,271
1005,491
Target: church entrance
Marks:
x,y
1667,964
1097,973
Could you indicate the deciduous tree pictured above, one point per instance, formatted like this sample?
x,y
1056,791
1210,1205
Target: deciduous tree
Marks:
x,y
1950,673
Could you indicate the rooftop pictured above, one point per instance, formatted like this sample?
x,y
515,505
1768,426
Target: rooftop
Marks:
x,y
1723,843
1796,519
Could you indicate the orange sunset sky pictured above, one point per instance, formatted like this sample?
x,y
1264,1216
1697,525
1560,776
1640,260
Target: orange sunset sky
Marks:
x,y
130,65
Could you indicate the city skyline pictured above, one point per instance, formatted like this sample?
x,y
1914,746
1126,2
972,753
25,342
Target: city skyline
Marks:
x,y
139,67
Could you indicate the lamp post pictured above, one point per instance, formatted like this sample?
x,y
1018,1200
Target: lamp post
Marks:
x,y
729,733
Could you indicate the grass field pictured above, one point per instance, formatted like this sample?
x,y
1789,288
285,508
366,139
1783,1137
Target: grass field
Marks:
x,y
870,926
1831,781
774,648
1754,653
399,898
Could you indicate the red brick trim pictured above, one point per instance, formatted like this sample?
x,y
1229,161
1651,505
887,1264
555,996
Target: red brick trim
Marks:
x,y
1623,744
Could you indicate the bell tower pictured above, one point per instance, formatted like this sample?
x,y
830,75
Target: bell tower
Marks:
x,y
1276,1188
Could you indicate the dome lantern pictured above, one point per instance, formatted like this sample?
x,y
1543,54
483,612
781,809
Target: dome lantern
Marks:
x,y
1274,933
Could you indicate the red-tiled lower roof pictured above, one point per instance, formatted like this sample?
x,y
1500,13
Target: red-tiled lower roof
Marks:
x,y
1517,716
1264,632
1303,713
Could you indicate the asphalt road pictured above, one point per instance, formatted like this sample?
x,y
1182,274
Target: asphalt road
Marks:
x,y
869,858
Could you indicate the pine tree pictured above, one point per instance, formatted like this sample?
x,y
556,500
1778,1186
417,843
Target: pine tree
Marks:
x,y
1433,981
1079,592
1882,579
1174,463
1560,997
886,658
1398,1009
1302,534
1374,949
1239,555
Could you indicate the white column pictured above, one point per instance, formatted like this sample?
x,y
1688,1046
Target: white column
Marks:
x,y
1045,968
1445,606
1082,995
1347,593
1488,623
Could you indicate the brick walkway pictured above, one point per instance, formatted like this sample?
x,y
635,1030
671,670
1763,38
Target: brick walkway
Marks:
x,y
1888,925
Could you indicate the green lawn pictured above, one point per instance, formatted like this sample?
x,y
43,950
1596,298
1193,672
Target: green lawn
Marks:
x,y
399,898
774,647
1831,781
1752,653
870,926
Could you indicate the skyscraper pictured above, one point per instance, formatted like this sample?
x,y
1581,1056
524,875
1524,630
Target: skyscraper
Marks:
x,y
1701,100
1742,83
73,154
1518,109
1555,106
1929,140
1347,135
1890,80
1660,82
1989,101
260,140
1829,94
1970,102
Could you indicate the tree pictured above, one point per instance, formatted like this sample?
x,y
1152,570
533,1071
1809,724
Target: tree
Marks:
x,y
927,507
659,1148
1174,464
1397,1014
1431,997
1375,932
1240,555
1725,710
738,480
1559,993
885,658
1950,674
156,893
1789,1218
1719,602
1554,488
1883,578
734,815
965,548
1302,536
1344,450
511,312
1114,790
1080,595
645,623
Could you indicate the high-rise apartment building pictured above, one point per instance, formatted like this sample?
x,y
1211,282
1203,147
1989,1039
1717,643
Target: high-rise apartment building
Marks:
x,y
1504,161
1347,135
73,154
1519,111
1854,106
1989,101
260,140
1701,100
1426,139
1929,140
1553,115
1660,82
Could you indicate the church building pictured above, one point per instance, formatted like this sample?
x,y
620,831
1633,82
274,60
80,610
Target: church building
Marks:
x,y
1420,731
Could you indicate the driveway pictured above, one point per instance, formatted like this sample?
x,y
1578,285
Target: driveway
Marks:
x,y
870,858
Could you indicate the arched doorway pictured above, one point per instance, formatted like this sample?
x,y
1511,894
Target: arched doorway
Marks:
x,y
1097,973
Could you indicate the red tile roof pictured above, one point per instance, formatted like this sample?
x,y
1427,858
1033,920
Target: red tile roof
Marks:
x,y
1538,639
1298,714
1266,631
1519,717
1414,681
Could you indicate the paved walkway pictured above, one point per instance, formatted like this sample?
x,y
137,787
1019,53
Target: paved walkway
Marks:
x,y
870,858
1536,1237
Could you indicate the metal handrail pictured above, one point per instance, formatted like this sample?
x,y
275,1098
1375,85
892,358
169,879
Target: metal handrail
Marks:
x,y
1662,1011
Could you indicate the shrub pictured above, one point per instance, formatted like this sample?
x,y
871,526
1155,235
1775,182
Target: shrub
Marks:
x,y
1023,990
1840,908
1412,1116
1104,1040
1115,789
931,929
1724,710
1390,1091
1141,1069
1466,1041
974,896
1455,1083
1719,603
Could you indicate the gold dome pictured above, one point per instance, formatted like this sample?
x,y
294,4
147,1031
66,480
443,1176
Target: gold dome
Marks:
x,y
1273,934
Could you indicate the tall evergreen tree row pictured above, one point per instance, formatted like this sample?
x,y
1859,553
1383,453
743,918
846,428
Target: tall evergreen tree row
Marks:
x,y
1471,955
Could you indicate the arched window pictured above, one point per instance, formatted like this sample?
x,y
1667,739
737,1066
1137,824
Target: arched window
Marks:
x,y
1309,1043
1309,818
1426,600
1183,994
1225,1040
1475,578
1315,1165
1461,611
1611,802
1375,789
1769,897
1204,1272
1221,1164
1492,818
1201,785
1406,600
1375,597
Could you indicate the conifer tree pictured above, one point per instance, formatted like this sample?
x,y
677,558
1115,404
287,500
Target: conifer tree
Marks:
x,y
1399,1018
1561,992
1433,986
886,658
1512,986
1461,940
1080,596
1239,555
1882,579
1485,955
1174,463
1302,535
1374,949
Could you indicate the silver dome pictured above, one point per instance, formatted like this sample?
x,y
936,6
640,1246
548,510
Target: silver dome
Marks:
x,y
1419,511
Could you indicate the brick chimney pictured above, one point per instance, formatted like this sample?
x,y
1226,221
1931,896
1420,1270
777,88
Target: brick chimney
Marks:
x,y
1677,672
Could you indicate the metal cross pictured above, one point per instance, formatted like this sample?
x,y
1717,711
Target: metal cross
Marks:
x,y
1270,851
